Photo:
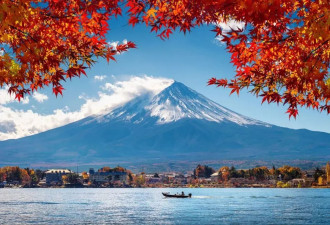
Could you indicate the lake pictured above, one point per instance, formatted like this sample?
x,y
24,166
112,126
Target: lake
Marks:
x,y
148,206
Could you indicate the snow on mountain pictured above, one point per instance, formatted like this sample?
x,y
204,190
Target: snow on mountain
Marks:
x,y
178,101
15,123
174,103
174,125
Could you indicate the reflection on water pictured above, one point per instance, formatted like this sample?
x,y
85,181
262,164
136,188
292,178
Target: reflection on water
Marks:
x,y
148,206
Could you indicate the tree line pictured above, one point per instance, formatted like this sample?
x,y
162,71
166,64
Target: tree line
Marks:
x,y
225,173
26,177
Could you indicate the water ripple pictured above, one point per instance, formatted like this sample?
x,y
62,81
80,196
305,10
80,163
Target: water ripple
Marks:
x,y
147,206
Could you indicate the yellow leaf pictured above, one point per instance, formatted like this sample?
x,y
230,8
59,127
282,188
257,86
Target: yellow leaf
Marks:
x,y
151,12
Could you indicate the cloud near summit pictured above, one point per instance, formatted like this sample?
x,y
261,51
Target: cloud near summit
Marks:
x,y
112,95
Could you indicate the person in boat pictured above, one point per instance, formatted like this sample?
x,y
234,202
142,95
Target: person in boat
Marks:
x,y
182,193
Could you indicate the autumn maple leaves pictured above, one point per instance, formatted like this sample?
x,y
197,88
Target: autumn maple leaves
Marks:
x,y
282,53
47,42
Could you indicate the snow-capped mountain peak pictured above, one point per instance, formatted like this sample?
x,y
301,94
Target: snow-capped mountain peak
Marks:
x,y
174,103
174,125
178,101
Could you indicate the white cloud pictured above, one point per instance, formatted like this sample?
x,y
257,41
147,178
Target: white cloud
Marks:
x,y
6,98
23,123
231,24
25,100
228,26
100,77
114,45
39,97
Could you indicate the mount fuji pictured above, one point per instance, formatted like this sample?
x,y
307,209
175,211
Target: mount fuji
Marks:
x,y
178,124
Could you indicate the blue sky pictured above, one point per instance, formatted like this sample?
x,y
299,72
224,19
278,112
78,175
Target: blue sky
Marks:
x,y
191,59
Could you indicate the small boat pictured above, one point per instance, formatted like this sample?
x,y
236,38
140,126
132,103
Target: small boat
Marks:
x,y
168,195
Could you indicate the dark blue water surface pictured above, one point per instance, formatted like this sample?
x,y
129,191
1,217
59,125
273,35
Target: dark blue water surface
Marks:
x,y
147,206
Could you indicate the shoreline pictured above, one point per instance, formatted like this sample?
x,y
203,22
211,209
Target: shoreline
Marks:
x,y
184,187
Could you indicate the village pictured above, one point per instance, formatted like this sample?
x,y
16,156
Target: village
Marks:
x,y
202,176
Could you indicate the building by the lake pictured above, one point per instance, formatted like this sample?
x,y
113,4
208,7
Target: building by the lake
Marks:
x,y
107,177
54,176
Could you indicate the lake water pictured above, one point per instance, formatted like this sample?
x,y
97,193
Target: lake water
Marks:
x,y
147,206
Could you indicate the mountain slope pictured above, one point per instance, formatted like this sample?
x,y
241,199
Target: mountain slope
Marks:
x,y
174,103
178,124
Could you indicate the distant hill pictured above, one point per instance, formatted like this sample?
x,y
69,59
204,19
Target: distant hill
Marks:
x,y
176,125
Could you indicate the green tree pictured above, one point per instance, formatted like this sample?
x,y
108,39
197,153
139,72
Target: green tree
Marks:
x,y
71,178
203,171
233,172
318,173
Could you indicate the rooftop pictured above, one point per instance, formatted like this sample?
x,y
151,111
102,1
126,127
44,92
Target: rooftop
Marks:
x,y
59,171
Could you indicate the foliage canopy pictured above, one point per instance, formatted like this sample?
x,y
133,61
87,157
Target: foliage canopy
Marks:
x,y
281,54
